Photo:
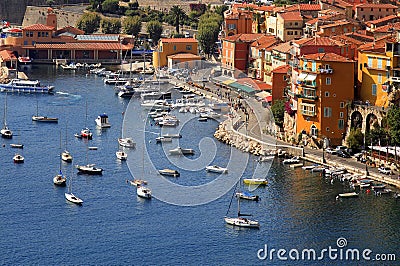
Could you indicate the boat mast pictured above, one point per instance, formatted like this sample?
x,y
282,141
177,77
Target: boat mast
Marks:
x,y
5,112
60,151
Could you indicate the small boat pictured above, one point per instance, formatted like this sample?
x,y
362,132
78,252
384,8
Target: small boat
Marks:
x,y
174,136
163,139
6,133
92,148
72,198
203,119
18,158
66,156
143,192
102,121
137,182
121,155
44,119
318,169
86,133
181,151
247,196
381,192
216,169
89,169
255,181
126,142
378,186
17,146
292,160
241,221
347,195
266,158
60,180
169,172
21,85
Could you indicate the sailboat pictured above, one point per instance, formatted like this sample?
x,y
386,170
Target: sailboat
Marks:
x,y
5,131
240,220
85,132
60,180
141,190
71,197
65,155
39,118
89,169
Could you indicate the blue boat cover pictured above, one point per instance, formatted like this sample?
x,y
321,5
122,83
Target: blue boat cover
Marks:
x,y
103,115
247,194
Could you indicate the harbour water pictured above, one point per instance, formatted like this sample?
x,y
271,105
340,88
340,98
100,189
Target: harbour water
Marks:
x,y
297,210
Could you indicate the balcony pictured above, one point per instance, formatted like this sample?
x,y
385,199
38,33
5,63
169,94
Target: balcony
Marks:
x,y
307,113
325,71
394,79
307,96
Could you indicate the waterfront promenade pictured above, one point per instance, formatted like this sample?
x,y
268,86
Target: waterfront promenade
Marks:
x,y
254,120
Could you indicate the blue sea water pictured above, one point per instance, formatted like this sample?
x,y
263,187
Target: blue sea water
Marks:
x,y
297,210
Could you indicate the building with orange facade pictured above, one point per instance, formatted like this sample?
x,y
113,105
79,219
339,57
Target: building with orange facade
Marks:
x,y
324,87
237,20
367,12
172,46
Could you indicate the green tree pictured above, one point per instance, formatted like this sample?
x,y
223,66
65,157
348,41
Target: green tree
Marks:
x,y
178,15
132,25
278,110
110,6
355,139
208,29
95,5
155,29
112,25
393,123
89,22
221,9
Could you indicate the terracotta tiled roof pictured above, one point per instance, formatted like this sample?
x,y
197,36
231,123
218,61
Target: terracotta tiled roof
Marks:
x,y
281,69
339,3
38,27
326,57
376,6
265,8
184,55
291,16
85,46
377,21
347,40
264,41
317,41
335,24
178,40
304,7
7,55
244,37
283,47
391,27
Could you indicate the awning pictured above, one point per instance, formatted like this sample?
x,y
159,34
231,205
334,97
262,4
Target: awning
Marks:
x,y
268,99
263,94
241,87
311,77
227,82
302,76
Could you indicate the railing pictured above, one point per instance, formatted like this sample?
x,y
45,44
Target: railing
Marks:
x,y
305,96
307,113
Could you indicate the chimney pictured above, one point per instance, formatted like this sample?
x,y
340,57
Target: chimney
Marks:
x,y
51,18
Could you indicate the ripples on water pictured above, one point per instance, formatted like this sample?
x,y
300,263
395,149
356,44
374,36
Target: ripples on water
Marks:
x,y
297,209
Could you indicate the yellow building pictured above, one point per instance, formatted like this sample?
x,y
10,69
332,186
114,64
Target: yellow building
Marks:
x,y
324,86
172,46
376,62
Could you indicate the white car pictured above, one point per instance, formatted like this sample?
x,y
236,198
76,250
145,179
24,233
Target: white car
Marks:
x,y
385,170
330,150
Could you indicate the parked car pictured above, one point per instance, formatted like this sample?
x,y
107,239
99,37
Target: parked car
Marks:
x,y
343,154
330,150
385,170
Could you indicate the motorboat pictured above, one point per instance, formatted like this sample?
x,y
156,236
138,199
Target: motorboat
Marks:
x,y
126,142
347,195
66,156
202,119
89,169
381,192
92,148
292,160
308,167
102,121
247,196
163,139
143,192
6,133
126,93
121,155
137,182
30,86
17,146
242,222
60,180
378,186
174,136
266,158
216,169
45,119
153,104
72,198
86,133
18,158
255,181
169,172
181,151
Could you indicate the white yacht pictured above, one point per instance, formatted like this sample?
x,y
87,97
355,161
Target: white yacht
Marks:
x,y
126,142
143,192
216,169
102,121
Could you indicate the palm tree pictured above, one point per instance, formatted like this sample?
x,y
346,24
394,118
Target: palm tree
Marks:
x,y
177,13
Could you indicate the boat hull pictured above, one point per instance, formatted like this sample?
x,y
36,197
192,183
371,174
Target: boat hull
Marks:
x,y
255,181
73,199
89,170
59,180
242,222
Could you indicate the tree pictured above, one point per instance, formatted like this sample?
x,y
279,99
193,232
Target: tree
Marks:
x,y
112,25
178,14
355,139
89,22
95,5
155,29
393,123
221,9
208,30
132,25
278,110
110,6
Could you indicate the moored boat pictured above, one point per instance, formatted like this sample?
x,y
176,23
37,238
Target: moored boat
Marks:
x,y
60,180
169,172
216,169
72,198
18,158
126,142
102,121
255,181
347,195
143,192
89,169
247,196
121,155
17,146
181,151
44,119
163,139
293,160
30,86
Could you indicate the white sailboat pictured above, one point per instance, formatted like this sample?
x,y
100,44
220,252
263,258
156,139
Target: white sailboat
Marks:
x,y
70,196
85,132
5,131
141,190
66,155
59,179
89,169
39,118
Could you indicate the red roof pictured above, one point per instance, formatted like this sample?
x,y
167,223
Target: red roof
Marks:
x,y
391,27
281,69
83,46
384,19
244,37
38,27
335,24
326,57
376,6
7,55
184,56
264,42
291,16
326,41
178,40
304,7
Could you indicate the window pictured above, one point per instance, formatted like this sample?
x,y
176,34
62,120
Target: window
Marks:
x,y
362,9
31,34
290,32
39,34
341,124
47,34
295,32
321,50
374,89
307,109
369,61
174,47
160,48
360,66
314,66
328,81
314,130
296,23
188,47
341,114
387,63
327,94
327,129
27,34
333,29
327,66
379,78
341,104
327,112
380,63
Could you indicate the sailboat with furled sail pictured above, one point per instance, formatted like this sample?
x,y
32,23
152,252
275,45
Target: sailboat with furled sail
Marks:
x,y
5,131
66,155
70,196
59,179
